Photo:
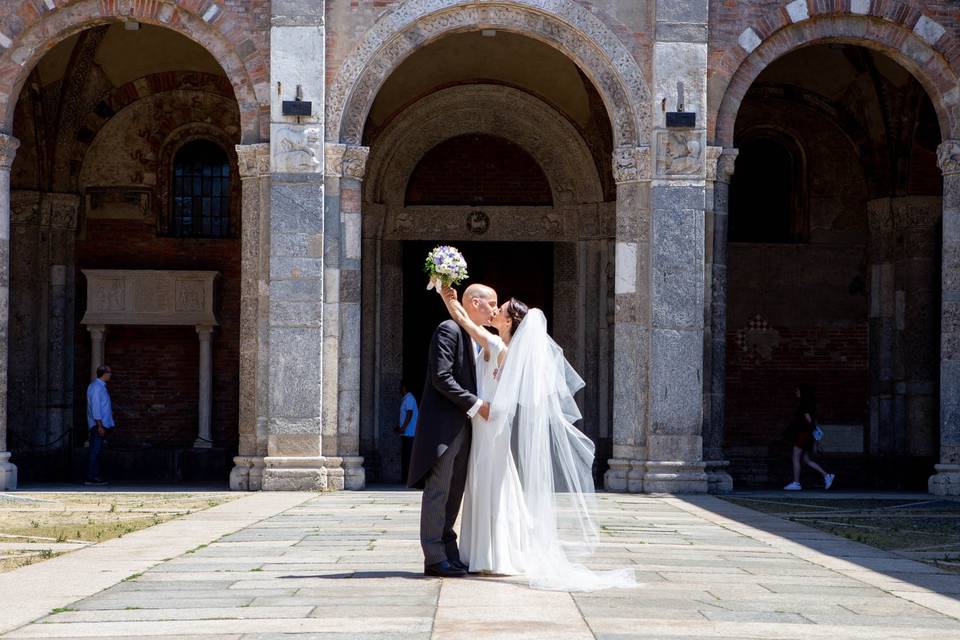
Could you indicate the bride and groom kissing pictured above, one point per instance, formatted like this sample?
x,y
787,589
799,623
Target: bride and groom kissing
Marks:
x,y
497,434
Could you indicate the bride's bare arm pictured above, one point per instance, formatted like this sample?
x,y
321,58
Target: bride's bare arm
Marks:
x,y
459,315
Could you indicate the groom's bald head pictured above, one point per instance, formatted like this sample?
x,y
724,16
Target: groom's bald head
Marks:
x,y
480,301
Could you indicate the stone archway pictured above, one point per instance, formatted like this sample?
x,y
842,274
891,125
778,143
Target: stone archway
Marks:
x,y
578,224
567,26
37,28
43,29
604,59
922,43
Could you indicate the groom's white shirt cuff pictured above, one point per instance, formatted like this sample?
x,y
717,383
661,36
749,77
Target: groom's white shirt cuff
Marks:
x,y
476,407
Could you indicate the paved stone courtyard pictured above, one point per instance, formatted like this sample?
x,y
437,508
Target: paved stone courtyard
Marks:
x,y
347,565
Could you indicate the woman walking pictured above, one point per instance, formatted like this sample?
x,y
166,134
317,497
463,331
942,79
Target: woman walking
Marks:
x,y
804,424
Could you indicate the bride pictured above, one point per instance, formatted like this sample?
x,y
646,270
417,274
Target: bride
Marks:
x,y
526,508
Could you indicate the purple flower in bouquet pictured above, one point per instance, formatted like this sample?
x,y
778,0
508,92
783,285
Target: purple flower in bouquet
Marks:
x,y
445,265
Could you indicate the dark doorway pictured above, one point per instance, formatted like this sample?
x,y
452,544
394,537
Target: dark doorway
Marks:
x,y
523,270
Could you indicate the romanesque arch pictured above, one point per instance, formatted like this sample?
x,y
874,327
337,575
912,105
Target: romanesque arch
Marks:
x,y
567,26
26,40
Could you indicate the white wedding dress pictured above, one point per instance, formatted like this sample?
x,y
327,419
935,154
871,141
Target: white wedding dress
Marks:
x,y
526,508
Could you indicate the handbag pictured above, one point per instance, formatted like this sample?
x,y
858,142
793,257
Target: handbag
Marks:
x,y
817,433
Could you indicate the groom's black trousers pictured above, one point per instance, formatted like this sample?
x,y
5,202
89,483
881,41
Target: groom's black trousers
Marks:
x,y
442,495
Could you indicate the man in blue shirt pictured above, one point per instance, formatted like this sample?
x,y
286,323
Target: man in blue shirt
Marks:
x,y
406,427
99,421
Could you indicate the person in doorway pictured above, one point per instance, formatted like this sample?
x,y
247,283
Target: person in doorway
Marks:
x,y
802,428
99,422
406,427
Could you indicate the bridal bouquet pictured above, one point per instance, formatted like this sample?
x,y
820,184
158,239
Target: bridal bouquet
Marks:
x,y
445,265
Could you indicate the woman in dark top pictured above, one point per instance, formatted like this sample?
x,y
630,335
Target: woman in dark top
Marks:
x,y
803,425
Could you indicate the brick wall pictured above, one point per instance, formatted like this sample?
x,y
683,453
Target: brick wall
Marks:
x,y
478,169
154,389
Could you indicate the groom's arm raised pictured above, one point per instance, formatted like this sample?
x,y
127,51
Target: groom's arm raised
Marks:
x,y
442,360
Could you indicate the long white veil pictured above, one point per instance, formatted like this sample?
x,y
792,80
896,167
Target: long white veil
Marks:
x,y
554,460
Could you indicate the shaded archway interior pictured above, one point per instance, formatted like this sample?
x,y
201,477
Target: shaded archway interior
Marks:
x,y
833,268
101,119
491,195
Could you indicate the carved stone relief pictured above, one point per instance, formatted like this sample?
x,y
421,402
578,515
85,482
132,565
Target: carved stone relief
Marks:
x,y
948,156
142,297
631,164
298,150
680,153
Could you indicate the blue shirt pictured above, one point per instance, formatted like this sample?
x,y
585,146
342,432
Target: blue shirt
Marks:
x,y
409,403
98,405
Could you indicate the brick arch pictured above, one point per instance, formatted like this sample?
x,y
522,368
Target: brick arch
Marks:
x,y
566,26
897,41
32,32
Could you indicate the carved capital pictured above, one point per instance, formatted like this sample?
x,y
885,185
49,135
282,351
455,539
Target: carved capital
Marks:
x,y
948,157
631,164
8,151
345,161
253,160
720,163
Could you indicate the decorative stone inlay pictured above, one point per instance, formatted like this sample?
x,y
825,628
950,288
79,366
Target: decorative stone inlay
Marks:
x,y
680,153
556,146
948,156
749,40
298,150
631,164
564,24
520,223
253,160
929,30
798,11
134,297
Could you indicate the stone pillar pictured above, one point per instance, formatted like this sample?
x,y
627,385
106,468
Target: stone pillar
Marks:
x,y
97,332
677,199
631,353
8,150
254,169
947,479
719,171
295,458
204,431
345,166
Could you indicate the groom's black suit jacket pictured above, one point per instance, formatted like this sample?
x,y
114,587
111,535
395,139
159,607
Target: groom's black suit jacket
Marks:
x,y
449,391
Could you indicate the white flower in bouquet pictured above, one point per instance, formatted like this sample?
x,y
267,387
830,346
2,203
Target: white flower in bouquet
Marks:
x,y
445,265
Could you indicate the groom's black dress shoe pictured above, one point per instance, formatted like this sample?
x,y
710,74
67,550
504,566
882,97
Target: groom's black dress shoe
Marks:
x,y
459,565
443,569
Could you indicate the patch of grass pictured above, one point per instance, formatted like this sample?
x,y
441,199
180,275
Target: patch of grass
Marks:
x,y
132,577
54,612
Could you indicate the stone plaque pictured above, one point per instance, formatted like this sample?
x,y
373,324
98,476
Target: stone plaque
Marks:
x,y
117,203
149,297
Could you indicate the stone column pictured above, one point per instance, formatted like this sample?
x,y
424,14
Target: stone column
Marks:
x,y
947,479
677,199
204,431
631,353
345,166
719,171
295,458
8,150
254,169
97,332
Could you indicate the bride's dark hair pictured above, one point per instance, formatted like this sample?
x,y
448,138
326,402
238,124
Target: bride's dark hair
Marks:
x,y
516,311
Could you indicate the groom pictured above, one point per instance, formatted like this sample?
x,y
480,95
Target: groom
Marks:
x,y
441,446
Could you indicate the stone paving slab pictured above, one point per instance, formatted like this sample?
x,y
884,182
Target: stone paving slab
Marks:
x,y
348,565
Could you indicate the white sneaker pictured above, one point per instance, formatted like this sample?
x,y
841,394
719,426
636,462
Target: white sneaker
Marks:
x,y
828,480
793,486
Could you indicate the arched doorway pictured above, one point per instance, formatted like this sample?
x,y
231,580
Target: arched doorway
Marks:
x,y
866,200
127,163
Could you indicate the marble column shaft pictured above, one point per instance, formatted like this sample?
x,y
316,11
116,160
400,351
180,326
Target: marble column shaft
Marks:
x,y
947,479
8,150
204,430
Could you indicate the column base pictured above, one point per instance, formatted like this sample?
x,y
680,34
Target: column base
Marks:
x,y
675,476
718,480
624,476
247,475
283,473
8,472
200,443
354,476
946,482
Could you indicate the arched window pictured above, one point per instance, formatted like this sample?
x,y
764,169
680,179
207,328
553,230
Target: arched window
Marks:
x,y
768,192
201,191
